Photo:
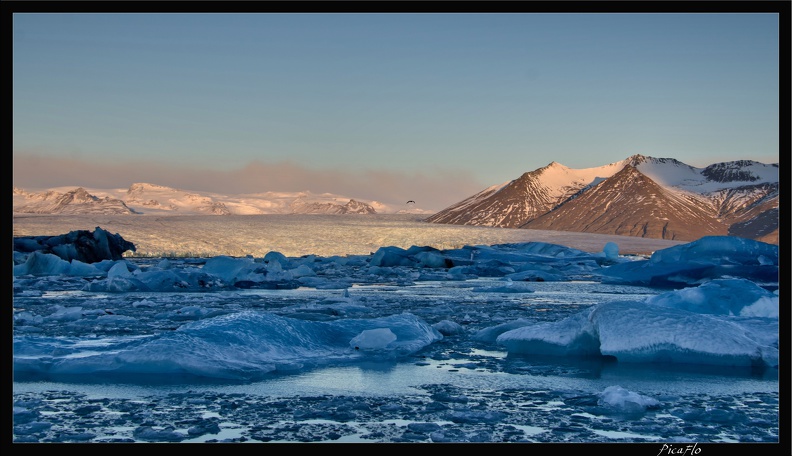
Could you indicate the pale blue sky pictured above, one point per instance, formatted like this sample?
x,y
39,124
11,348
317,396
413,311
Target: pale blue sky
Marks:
x,y
473,98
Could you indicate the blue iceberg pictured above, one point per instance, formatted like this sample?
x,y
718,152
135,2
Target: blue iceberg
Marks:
x,y
240,346
711,257
724,322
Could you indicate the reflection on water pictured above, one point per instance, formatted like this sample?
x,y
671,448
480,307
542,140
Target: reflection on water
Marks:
x,y
385,379
607,367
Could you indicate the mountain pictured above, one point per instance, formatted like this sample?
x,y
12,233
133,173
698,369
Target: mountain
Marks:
x,y
157,197
639,196
152,199
77,201
301,206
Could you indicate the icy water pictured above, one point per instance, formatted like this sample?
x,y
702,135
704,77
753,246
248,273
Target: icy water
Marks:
x,y
459,389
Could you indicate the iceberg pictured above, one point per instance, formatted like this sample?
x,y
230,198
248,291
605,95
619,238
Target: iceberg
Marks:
x,y
711,257
241,346
689,326
722,297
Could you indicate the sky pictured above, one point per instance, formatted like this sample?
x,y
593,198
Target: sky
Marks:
x,y
378,106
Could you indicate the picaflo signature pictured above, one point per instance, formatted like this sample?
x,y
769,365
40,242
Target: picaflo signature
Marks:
x,y
679,450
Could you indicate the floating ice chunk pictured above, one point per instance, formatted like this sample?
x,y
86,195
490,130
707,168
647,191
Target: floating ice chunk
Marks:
x,y
115,320
27,318
42,264
611,251
190,313
508,286
432,260
144,303
719,250
155,279
572,336
106,265
516,252
373,339
232,270
459,273
710,257
491,334
119,270
719,297
163,280
673,335
80,269
392,256
536,275
302,271
477,416
624,400
65,314
274,267
149,434
242,346
276,273
766,307
448,327
636,332
281,259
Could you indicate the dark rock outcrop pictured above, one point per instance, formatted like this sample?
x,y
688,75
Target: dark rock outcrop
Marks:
x,y
82,245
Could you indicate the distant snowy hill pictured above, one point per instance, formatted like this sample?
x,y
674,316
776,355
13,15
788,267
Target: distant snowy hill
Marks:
x,y
76,201
639,196
151,199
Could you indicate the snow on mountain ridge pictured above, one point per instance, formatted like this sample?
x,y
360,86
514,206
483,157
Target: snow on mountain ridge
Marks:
x,y
644,196
741,171
535,192
668,172
153,199
146,187
556,177
75,201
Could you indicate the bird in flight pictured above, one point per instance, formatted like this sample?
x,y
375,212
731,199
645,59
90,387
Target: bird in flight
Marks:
x,y
411,201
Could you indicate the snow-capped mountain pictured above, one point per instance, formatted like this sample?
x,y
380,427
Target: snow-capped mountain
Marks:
x,y
76,201
639,196
302,206
152,199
